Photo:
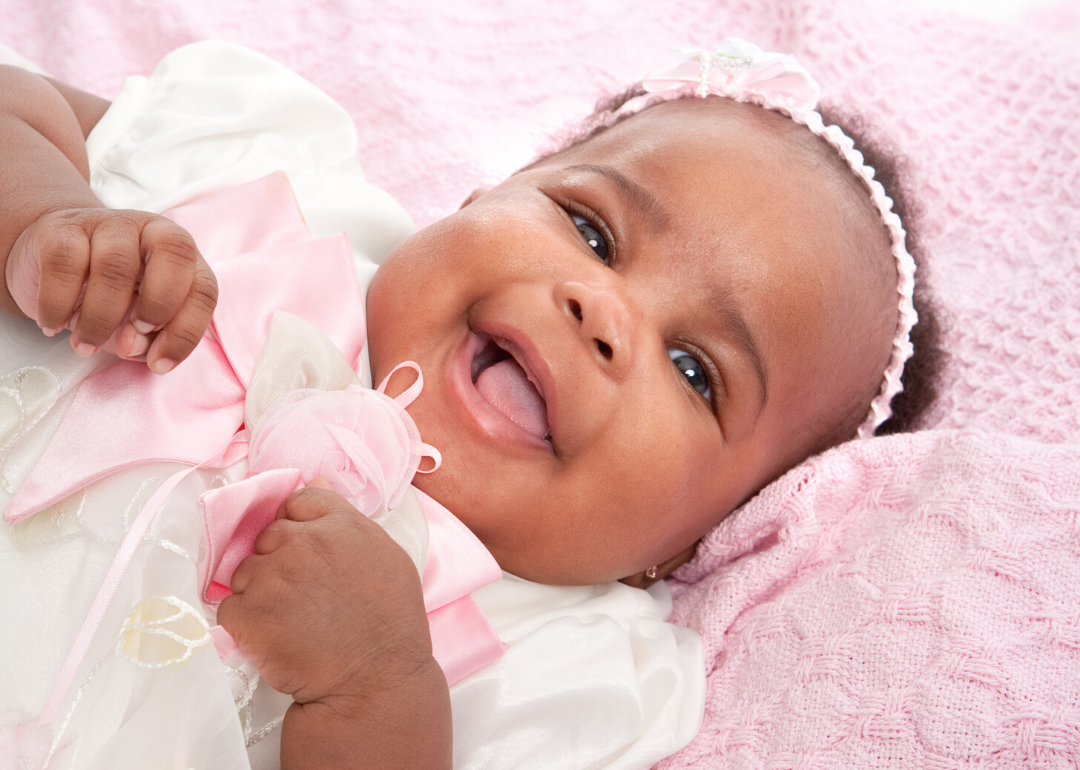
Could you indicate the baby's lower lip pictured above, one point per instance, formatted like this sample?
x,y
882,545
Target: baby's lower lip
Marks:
x,y
491,422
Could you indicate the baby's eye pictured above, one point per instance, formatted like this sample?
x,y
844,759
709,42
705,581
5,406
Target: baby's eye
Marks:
x,y
596,240
693,371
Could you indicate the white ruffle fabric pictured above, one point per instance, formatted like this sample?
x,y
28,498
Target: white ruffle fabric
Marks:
x,y
592,676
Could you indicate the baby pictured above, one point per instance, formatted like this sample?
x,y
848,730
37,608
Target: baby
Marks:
x,y
620,344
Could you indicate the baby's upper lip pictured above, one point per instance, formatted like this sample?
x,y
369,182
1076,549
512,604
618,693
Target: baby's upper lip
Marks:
x,y
521,347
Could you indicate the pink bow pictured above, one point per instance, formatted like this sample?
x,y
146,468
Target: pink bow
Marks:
x,y
267,266
739,70
265,261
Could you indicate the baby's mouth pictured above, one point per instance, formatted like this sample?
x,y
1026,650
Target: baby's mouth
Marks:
x,y
510,390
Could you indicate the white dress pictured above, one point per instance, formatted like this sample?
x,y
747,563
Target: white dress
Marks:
x,y
592,676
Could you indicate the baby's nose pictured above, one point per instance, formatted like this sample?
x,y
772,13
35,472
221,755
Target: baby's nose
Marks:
x,y
602,321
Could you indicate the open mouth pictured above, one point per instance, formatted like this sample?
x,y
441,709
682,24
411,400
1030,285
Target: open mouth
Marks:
x,y
508,387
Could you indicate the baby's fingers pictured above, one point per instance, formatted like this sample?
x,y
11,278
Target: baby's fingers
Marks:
x,y
171,257
182,332
313,502
62,251
245,572
115,262
274,536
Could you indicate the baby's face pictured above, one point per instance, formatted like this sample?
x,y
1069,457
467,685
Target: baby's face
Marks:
x,y
627,340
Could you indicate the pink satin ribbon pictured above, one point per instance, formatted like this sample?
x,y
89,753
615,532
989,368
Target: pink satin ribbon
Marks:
x,y
125,416
255,239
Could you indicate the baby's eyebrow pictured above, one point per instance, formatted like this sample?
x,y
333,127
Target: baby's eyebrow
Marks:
x,y
637,196
733,320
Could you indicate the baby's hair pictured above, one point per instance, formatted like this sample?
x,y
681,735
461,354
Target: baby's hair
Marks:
x,y
921,372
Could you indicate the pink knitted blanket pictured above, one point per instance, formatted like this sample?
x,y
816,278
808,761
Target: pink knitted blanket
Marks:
x,y
904,602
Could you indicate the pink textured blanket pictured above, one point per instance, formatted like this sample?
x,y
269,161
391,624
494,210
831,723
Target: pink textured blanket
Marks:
x,y
911,601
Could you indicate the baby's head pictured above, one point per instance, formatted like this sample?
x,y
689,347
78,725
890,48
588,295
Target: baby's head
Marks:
x,y
628,339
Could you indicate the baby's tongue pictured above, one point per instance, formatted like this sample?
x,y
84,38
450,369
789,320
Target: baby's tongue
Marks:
x,y
505,386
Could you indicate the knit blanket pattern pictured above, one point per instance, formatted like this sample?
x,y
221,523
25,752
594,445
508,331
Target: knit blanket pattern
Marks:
x,y
909,601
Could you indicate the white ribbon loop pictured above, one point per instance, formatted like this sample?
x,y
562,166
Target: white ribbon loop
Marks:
x,y
739,70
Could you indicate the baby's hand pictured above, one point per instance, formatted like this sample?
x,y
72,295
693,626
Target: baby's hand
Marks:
x,y
129,282
329,607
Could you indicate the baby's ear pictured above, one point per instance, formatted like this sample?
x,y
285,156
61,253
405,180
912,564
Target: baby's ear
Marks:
x,y
474,195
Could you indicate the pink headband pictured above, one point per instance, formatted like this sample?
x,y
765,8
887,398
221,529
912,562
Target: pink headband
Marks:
x,y
741,71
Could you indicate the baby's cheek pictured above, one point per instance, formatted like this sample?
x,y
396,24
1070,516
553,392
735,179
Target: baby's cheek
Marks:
x,y
697,484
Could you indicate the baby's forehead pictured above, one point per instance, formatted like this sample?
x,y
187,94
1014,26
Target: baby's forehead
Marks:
x,y
693,140
715,143
728,128
730,171
760,151
741,177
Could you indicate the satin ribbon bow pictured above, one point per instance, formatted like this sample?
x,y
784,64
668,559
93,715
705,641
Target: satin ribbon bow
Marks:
x,y
265,261
289,321
738,70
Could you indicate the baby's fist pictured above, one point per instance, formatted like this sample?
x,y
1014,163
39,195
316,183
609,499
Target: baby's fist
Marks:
x,y
328,606
129,282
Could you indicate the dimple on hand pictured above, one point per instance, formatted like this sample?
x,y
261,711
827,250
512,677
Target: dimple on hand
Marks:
x,y
128,282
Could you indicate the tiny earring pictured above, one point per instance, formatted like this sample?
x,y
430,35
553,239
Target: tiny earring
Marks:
x,y
651,573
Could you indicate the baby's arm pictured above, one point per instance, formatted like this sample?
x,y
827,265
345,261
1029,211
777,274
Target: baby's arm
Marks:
x,y
128,281
331,611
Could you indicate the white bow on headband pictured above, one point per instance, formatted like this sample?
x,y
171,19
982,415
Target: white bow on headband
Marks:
x,y
738,69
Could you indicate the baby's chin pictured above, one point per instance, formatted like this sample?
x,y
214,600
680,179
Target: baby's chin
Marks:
x,y
560,574
565,566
